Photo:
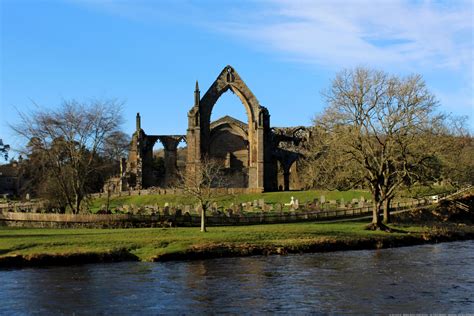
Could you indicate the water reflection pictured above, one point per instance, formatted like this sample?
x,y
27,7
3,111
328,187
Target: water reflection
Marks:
x,y
422,279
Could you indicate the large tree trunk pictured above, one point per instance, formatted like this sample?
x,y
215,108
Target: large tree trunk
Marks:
x,y
77,205
376,222
203,219
386,211
376,213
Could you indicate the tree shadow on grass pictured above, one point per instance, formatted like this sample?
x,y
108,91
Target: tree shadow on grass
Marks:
x,y
19,247
50,235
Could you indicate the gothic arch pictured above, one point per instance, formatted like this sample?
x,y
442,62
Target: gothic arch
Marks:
x,y
229,79
199,129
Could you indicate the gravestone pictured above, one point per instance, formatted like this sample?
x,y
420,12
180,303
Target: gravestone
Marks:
x,y
172,210
342,203
268,207
354,201
187,216
261,203
315,204
187,208
238,209
249,207
255,203
296,204
277,207
332,202
323,199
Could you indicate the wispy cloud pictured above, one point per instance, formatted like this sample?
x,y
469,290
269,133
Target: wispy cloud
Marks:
x,y
379,33
431,37
336,32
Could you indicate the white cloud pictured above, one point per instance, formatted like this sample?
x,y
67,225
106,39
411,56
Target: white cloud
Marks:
x,y
429,37
379,33
336,32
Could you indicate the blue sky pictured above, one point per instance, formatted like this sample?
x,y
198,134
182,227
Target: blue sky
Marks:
x,y
148,54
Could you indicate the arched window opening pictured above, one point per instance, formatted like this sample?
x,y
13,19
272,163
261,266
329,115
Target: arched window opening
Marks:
x,y
229,140
229,105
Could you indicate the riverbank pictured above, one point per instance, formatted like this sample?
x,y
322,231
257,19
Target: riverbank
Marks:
x,y
41,247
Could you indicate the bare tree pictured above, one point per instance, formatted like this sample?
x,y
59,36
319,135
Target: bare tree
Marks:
x,y
199,186
324,167
4,149
116,145
70,139
383,125
458,164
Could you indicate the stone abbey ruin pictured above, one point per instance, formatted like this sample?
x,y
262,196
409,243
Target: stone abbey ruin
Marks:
x,y
254,156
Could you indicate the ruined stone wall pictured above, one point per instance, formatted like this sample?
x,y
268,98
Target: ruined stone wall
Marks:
x,y
249,151
199,126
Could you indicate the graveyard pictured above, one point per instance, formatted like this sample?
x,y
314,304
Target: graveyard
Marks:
x,y
249,201
331,198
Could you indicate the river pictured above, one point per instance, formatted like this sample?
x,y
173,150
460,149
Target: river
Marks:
x,y
435,278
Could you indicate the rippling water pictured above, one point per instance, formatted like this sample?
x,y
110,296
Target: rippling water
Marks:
x,y
422,279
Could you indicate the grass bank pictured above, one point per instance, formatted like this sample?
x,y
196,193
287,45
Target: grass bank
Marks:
x,y
23,247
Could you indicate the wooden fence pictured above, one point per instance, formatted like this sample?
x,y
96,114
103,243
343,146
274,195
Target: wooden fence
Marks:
x,y
187,219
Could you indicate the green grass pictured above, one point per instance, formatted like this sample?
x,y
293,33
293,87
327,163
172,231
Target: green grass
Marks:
x,y
269,197
421,191
147,243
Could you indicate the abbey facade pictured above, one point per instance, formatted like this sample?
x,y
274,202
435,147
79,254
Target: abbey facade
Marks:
x,y
253,154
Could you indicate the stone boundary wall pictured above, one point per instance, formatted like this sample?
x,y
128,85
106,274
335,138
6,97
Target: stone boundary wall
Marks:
x,y
21,207
163,191
186,220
